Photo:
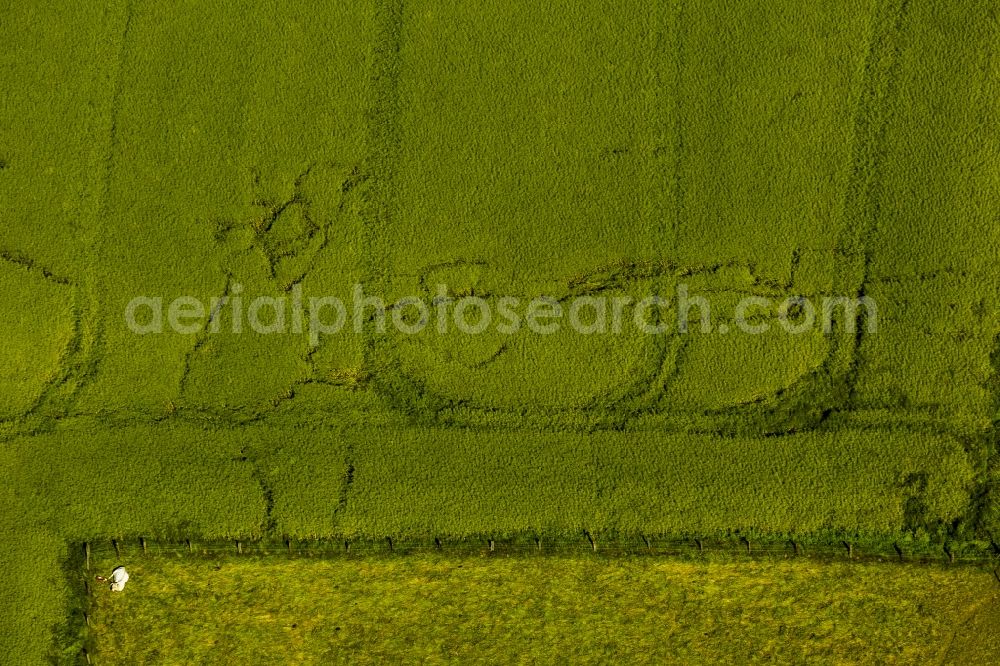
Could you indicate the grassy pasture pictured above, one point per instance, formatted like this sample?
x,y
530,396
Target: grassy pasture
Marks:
x,y
672,157
441,609
640,122
50,165
424,482
86,479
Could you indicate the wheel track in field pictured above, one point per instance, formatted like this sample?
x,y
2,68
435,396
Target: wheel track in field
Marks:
x,y
833,383
679,150
971,633
102,207
872,117
268,523
345,487
29,264
84,351
645,399
380,200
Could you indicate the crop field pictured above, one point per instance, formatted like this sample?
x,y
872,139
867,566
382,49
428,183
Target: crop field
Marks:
x,y
238,172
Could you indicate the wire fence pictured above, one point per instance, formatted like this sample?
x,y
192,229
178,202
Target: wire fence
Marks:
x,y
530,545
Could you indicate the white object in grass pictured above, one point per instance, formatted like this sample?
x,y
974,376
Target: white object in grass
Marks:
x,y
118,579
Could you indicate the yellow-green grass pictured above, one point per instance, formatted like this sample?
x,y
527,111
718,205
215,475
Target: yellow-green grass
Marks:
x,y
434,608
509,149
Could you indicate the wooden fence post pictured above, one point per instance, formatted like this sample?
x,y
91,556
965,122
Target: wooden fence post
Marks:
x,y
86,550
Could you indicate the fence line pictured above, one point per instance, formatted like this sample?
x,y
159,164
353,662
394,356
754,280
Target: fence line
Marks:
x,y
528,545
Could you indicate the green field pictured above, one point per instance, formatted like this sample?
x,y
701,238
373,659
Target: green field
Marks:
x,y
442,150
439,609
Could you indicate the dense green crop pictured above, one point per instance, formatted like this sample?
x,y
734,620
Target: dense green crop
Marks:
x,y
460,483
38,334
237,178
938,289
